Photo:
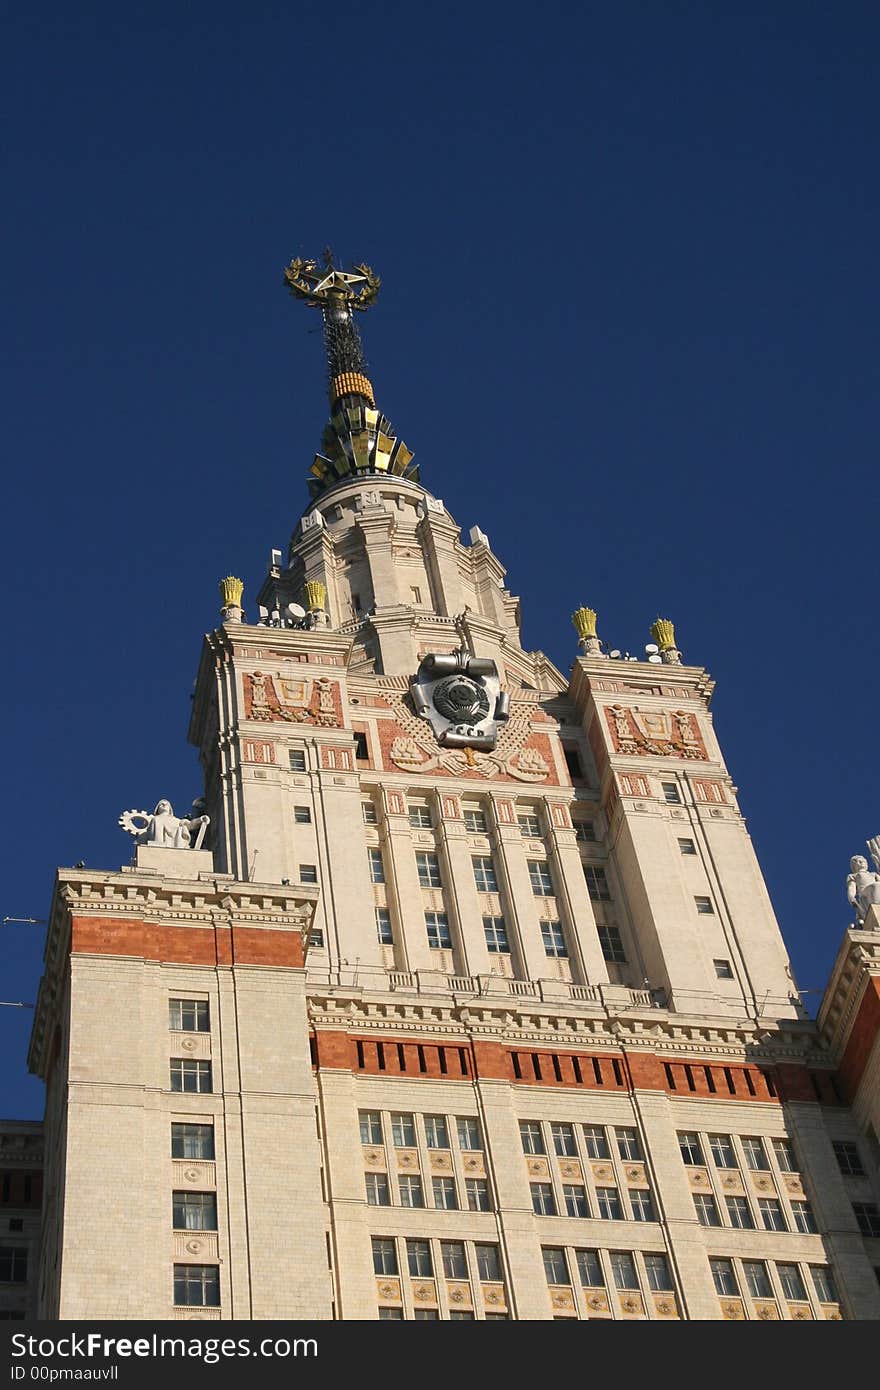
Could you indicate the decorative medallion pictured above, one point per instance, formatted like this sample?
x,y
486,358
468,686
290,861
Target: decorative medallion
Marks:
x,y
192,1174
188,1044
194,1246
424,1293
461,698
732,1311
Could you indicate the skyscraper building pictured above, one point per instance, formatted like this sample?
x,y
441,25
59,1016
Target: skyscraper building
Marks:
x,y
460,994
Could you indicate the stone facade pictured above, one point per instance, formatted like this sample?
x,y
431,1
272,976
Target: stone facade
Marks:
x,y
437,1032
21,1191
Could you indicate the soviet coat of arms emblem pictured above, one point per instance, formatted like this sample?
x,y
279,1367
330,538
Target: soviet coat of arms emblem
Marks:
x,y
461,698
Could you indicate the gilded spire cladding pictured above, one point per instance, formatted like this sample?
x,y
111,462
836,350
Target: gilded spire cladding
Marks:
x,y
358,438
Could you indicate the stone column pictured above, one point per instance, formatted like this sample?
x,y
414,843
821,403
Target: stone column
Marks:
x,y
572,896
438,536
461,888
401,876
349,1213
520,911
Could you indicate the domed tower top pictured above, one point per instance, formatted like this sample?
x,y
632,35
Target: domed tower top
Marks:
x,y
358,439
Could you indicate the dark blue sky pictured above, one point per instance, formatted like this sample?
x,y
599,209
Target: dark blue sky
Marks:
x,y
628,324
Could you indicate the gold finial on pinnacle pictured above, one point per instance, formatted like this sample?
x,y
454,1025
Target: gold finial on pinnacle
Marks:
x,y
231,590
316,595
663,633
584,620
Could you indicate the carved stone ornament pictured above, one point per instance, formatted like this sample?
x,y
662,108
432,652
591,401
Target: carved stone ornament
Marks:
x,y
164,829
461,698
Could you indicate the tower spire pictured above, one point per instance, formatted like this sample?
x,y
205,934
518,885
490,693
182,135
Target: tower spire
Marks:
x,y
358,439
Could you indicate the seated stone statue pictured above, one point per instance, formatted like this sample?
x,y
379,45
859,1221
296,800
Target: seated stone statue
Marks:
x,y
863,884
163,828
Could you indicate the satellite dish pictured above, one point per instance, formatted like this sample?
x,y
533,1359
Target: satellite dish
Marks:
x,y
651,648
296,610
655,660
264,612
614,653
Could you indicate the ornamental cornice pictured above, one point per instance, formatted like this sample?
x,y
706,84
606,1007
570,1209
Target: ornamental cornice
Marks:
x,y
500,1022
857,961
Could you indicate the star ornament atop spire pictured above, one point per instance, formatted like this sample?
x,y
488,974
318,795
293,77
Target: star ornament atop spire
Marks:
x,y
319,285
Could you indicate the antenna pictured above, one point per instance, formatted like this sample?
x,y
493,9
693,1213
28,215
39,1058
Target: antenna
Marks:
x,y
275,562
264,612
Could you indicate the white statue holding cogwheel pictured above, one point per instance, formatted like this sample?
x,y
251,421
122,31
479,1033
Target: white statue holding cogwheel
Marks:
x,y
862,884
164,829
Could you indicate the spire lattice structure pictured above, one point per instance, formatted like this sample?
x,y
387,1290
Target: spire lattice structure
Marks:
x,y
358,438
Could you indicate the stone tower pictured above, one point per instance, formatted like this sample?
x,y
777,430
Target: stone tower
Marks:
x,y
476,1005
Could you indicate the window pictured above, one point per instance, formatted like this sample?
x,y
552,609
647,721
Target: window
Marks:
x,y
416,593
469,1136
691,1152
455,1316
316,937
411,1194
437,927
771,1214
391,1315
704,905
868,1217
475,822
445,1195
554,939
792,1283
13,1264
723,1277
573,763
428,866
657,1270
756,1154
585,831
297,759
436,1133
722,1151
597,883
194,1211
575,1198
687,846
529,826
496,936
197,1286
589,1269
454,1261
377,868
608,1202
16,1223
420,817
848,1160
531,1136
671,793
823,1283
308,873
563,1140
369,813
757,1279
484,873
383,926
384,1255
477,1190
488,1262
609,940
188,1016
555,1265
361,751
371,1126
642,1205
623,1268
188,1075
596,1142
723,969
192,1141
740,1213
403,1132
784,1152
418,1259
543,1201
302,815
539,874
707,1212
804,1219
628,1145
377,1190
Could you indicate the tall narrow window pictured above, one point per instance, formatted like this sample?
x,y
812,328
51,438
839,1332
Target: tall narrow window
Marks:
x,y
554,939
542,882
597,883
377,868
529,826
420,817
623,1267
555,1266
496,936
484,874
384,1255
383,926
475,822
437,927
